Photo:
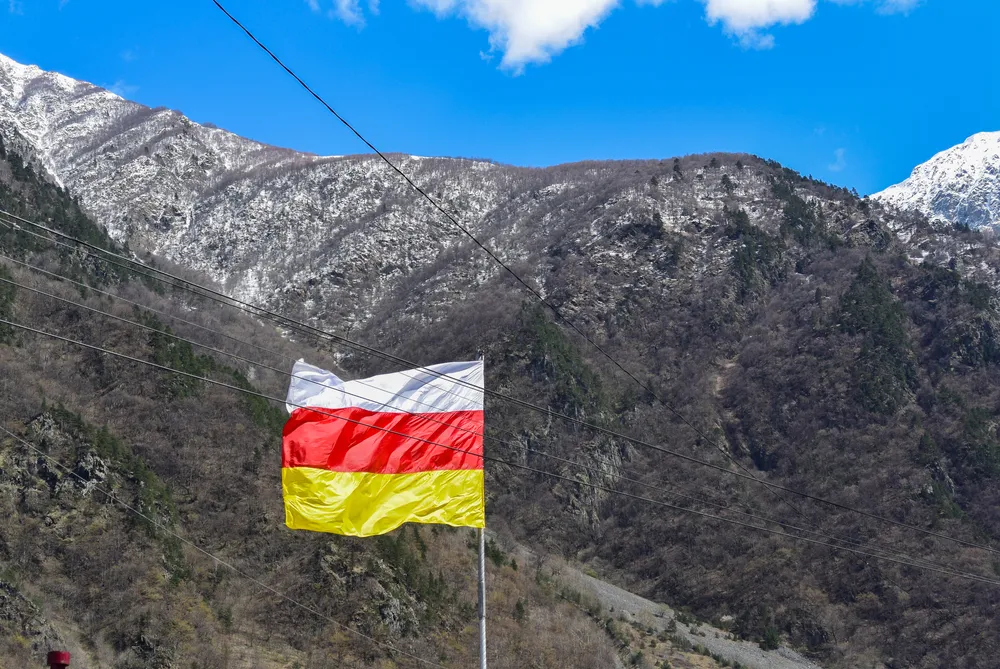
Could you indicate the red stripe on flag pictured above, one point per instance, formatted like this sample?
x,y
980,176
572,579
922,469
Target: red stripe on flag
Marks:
x,y
387,443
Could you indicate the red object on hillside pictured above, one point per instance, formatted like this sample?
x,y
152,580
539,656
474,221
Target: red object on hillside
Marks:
x,y
58,659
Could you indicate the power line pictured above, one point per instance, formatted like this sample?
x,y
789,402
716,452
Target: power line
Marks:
x,y
579,465
234,356
60,277
282,372
252,362
210,293
285,373
910,562
496,259
158,312
192,342
774,490
313,331
248,361
206,553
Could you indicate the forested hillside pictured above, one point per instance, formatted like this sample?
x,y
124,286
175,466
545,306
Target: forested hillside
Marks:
x,y
200,463
787,328
819,340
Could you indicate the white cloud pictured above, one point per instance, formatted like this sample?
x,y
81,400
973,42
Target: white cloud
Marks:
x,y
747,20
902,6
743,16
349,11
533,31
840,161
753,39
16,7
527,31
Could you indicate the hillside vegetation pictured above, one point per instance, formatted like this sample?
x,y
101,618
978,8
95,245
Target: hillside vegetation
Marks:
x,y
201,464
818,340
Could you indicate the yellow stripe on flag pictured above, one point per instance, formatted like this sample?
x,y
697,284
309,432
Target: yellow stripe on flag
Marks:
x,y
365,505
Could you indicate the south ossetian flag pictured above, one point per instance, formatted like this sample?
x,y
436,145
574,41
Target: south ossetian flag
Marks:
x,y
363,457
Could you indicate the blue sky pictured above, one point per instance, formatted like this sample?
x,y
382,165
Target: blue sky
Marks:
x,y
856,92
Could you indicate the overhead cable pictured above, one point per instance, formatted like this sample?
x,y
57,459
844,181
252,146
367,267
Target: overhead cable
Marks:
x,y
555,476
590,469
504,266
236,570
222,298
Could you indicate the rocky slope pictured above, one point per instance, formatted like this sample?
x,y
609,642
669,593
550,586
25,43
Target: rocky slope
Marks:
x,y
960,185
99,438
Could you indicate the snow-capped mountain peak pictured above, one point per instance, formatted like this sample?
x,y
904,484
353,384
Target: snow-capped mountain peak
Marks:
x,y
51,111
960,185
342,241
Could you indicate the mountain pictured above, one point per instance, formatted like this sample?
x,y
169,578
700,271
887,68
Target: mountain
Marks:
x,y
822,342
960,185
163,184
131,468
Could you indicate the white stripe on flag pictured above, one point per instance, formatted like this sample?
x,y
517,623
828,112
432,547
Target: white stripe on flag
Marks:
x,y
413,391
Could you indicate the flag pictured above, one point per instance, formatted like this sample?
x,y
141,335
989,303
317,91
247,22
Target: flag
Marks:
x,y
363,457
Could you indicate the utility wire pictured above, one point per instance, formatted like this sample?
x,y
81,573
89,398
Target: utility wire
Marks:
x,y
282,372
137,305
204,292
310,330
240,358
555,310
495,258
236,570
906,562
144,307
185,284
133,270
578,465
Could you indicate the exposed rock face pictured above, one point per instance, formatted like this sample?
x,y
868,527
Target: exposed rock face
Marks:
x,y
22,624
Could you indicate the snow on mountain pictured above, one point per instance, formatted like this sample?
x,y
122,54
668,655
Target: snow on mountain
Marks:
x,y
251,215
960,185
344,242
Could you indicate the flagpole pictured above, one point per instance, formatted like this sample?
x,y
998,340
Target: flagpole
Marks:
x,y
482,599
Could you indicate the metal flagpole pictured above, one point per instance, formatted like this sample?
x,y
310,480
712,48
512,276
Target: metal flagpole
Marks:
x,y
482,599
482,570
